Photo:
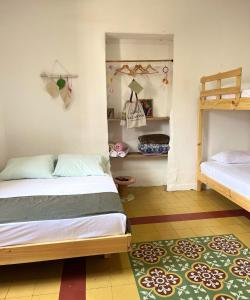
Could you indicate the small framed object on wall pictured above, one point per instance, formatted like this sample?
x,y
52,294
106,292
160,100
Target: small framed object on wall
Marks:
x,y
110,113
147,105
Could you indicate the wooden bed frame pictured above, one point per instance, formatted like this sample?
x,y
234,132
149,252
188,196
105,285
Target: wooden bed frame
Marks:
x,y
66,249
235,103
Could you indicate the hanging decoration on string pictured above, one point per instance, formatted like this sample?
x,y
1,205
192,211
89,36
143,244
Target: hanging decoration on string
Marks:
x,y
58,84
165,71
66,93
110,79
61,83
52,88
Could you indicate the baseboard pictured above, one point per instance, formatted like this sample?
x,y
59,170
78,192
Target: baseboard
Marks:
x,y
181,187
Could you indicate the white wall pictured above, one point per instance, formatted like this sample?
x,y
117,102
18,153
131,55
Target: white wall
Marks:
x,y
33,35
2,137
209,36
226,132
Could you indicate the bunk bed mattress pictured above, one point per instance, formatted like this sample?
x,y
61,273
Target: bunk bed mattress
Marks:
x,y
42,231
233,176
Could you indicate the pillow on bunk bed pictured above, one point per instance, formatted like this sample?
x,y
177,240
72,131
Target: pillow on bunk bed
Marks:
x,y
77,165
29,167
232,157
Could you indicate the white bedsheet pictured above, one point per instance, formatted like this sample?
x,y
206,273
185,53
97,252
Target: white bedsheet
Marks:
x,y
58,230
57,186
234,176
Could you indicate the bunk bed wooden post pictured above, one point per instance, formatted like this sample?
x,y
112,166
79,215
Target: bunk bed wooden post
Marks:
x,y
199,148
238,84
218,85
200,137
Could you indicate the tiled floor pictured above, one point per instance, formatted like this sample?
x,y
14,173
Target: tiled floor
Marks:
x,y
112,279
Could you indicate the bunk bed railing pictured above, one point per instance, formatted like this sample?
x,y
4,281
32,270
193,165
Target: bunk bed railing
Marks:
x,y
216,94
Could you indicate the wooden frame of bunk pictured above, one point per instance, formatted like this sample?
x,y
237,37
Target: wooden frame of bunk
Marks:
x,y
64,249
220,103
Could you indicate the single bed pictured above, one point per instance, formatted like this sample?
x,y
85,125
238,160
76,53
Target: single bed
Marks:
x,y
233,176
28,239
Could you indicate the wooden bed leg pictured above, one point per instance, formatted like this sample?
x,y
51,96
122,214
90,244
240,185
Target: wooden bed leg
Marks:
x,y
199,186
107,256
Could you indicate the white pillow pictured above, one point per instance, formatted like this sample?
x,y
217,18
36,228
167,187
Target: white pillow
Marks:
x,y
232,157
40,166
79,165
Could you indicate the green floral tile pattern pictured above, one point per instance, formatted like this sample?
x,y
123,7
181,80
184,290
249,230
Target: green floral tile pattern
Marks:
x,y
199,268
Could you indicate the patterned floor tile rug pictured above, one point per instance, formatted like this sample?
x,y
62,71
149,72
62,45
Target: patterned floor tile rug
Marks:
x,y
202,268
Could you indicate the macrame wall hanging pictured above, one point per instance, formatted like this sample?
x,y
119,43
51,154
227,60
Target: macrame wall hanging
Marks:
x,y
59,84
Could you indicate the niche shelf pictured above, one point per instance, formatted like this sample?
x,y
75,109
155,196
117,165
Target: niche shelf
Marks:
x,y
157,51
148,119
140,155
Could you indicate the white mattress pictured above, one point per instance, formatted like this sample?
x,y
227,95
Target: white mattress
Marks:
x,y
58,230
234,176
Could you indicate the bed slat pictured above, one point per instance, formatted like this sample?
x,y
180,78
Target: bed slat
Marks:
x,y
222,91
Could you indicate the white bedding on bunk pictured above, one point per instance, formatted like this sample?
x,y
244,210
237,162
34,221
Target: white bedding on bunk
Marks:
x,y
58,230
234,176
245,93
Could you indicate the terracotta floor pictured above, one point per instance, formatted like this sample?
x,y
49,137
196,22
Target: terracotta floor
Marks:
x,y
112,279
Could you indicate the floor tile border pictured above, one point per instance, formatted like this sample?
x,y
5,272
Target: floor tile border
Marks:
x,y
189,216
73,282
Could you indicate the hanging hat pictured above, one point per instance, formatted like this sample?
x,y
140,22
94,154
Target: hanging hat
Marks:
x,y
52,88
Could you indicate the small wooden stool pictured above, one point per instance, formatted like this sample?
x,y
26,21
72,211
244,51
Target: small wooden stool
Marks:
x,y
123,182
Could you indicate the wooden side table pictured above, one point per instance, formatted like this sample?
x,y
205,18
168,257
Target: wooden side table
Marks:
x,y
122,184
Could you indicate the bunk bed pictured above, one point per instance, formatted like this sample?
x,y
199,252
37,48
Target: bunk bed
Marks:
x,y
222,98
